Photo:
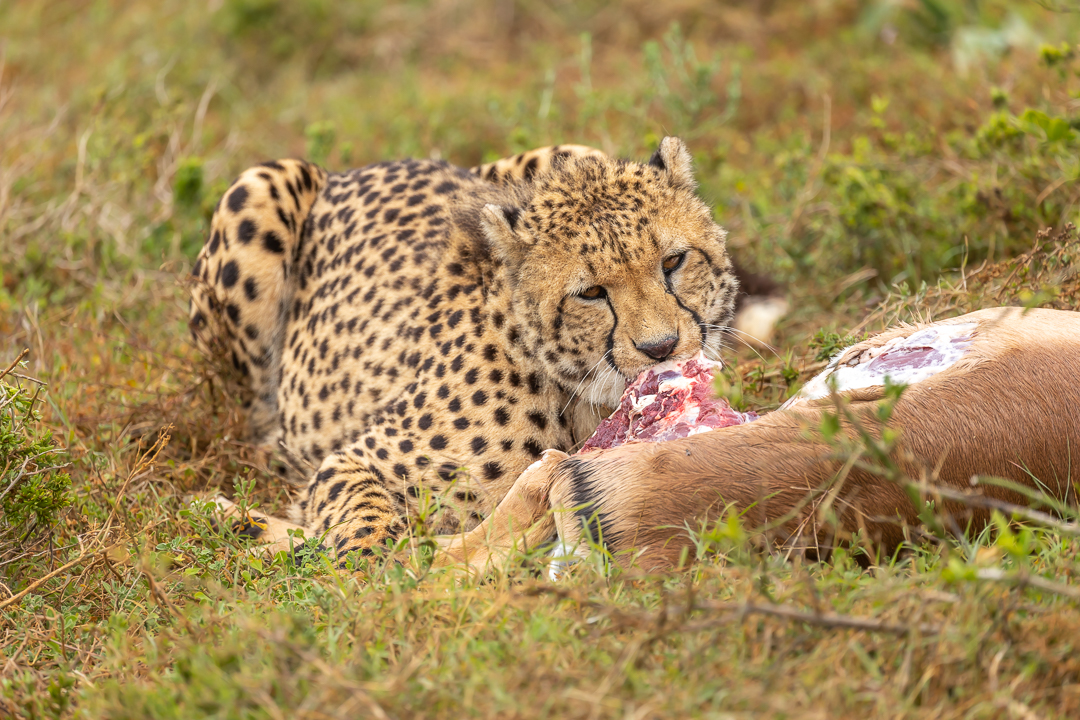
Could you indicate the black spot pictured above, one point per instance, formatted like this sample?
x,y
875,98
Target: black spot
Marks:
x,y
370,442
335,491
444,392
325,475
461,423
455,405
418,401
246,231
233,312
238,198
438,442
495,376
455,269
479,397
405,446
533,447
470,377
424,422
382,453
401,471
534,383
538,419
479,444
230,273
251,289
492,470
272,243
502,416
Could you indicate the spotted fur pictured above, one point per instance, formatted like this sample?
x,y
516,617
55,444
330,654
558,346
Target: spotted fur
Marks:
x,y
415,334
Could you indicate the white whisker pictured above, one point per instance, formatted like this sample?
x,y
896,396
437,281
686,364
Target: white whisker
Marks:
x,y
743,332
583,379
734,336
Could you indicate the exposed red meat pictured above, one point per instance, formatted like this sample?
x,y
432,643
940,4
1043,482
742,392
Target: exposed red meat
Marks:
x,y
668,401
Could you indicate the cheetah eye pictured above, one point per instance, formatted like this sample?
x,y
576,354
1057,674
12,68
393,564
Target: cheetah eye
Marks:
x,y
593,293
672,263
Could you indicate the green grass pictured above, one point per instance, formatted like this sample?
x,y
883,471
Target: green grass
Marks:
x,y
885,161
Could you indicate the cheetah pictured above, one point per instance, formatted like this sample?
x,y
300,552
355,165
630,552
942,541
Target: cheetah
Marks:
x,y
412,335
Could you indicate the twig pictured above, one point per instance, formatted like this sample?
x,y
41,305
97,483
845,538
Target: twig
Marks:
x,y
983,501
668,617
826,620
1023,578
16,362
63,568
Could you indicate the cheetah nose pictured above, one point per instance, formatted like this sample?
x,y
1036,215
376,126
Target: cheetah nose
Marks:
x,y
661,349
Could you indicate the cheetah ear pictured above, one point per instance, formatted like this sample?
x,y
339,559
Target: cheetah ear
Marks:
x,y
500,226
674,159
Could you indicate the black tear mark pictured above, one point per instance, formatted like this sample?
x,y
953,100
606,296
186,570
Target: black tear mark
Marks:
x,y
610,352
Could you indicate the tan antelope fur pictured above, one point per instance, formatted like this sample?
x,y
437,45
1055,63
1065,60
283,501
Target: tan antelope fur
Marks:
x,y
1007,408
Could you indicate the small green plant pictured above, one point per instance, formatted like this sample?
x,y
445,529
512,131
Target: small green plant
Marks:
x,y
320,141
1057,55
188,183
33,480
686,85
828,343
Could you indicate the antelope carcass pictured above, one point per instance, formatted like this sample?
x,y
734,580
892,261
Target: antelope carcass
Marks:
x,y
994,393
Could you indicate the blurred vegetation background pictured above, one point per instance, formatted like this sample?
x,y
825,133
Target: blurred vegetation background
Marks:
x,y
861,153
847,146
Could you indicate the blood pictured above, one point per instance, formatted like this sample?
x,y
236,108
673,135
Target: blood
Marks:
x,y
669,401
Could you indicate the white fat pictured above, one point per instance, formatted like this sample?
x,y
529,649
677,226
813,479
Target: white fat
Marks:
x,y
859,372
641,403
679,382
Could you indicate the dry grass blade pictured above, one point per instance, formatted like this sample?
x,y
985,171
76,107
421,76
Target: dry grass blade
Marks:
x,y
81,560
677,610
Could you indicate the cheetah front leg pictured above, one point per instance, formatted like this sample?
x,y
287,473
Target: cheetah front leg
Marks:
x,y
273,534
348,506
523,519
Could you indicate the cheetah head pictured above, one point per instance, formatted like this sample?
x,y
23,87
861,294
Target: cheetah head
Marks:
x,y
613,267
